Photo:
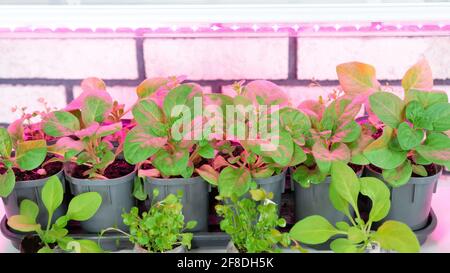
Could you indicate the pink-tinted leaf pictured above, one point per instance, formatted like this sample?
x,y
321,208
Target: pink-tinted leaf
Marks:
x,y
66,144
139,145
61,123
149,86
149,173
109,129
209,174
15,130
93,84
266,93
220,162
419,76
89,131
357,78
314,109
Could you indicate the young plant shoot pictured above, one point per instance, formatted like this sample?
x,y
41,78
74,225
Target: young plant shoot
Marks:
x,y
358,236
81,208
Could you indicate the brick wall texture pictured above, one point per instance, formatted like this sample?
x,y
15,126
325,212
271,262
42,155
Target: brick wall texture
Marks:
x,y
53,68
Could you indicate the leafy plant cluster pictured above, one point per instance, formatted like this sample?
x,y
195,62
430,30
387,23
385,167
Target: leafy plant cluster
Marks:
x,y
252,223
161,229
81,208
358,235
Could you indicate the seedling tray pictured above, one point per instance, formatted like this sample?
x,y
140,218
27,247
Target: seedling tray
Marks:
x,y
116,241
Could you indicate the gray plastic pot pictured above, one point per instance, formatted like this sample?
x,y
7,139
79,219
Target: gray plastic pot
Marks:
x,y
274,184
117,197
315,200
411,203
195,197
32,190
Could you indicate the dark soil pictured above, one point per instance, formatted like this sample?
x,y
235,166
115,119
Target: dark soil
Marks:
x,y
431,170
117,169
32,244
50,169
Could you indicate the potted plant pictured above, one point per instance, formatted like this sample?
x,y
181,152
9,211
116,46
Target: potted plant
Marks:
x,y
358,236
167,145
54,237
92,163
413,146
161,229
252,223
334,136
261,158
25,166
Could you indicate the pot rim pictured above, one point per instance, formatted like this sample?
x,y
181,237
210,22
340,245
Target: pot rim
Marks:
x,y
38,182
416,180
100,182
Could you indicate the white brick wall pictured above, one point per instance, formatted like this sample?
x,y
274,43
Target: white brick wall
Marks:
x,y
68,58
218,58
27,96
33,68
391,56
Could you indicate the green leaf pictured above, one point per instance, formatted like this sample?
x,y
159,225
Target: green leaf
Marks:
x,y
345,182
171,164
439,115
206,151
191,224
258,194
234,181
29,208
180,95
408,138
419,170
379,194
388,108
415,113
96,107
357,78
426,98
52,194
436,148
418,77
342,245
381,155
138,189
337,201
341,225
305,176
139,145
356,235
313,230
83,206
397,236
61,123
398,176
30,154
147,113
87,246
294,121
357,147
5,143
7,182
347,132
23,223
298,157
45,250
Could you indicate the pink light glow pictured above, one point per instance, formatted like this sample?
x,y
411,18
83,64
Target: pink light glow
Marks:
x,y
300,29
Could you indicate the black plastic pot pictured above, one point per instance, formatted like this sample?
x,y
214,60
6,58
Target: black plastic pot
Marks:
x,y
32,190
274,184
117,197
411,203
195,197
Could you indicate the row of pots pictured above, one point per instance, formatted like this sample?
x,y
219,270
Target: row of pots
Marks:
x,y
410,203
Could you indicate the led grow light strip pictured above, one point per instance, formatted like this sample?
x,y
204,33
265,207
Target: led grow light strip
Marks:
x,y
136,16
